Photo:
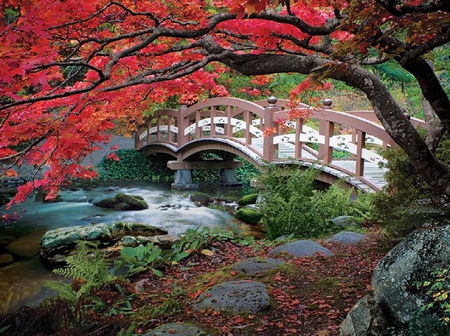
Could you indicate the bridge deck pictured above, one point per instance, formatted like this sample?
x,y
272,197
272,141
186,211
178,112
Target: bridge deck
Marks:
x,y
373,173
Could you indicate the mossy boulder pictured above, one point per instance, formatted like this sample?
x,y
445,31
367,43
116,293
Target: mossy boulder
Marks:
x,y
248,199
201,198
249,215
123,202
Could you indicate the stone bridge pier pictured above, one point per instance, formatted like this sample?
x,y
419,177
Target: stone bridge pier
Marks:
x,y
227,167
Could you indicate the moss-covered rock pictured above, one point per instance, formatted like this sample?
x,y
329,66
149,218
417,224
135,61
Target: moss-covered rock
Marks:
x,y
249,215
203,199
248,199
136,202
123,202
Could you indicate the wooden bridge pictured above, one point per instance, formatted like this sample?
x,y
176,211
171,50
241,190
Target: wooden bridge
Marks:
x,y
347,143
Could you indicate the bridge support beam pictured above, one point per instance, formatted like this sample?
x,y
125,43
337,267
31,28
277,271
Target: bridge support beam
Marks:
x,y
183,180
228,178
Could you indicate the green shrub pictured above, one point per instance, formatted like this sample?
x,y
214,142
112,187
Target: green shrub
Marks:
x,y
291,205
407,202
133,165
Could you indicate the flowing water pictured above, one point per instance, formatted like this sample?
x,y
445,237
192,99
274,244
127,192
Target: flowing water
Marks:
x,y
21,282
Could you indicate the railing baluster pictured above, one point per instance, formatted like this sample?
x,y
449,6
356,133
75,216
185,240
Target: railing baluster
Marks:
x,y
298,144
361,143
326,128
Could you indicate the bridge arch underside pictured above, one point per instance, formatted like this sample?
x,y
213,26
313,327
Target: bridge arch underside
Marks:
x,y
328,174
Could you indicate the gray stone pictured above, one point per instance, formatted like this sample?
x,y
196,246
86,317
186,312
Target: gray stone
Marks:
x,y
108,203
412,260
25,246
301,248
249,215
120,229
129,241
365,319
56,244
6,259
237,296
257,265
123,202
343,222
136,202
203,199
347,237
177,329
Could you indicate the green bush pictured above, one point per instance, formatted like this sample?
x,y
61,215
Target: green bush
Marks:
x,y
133,165
291,205
407,202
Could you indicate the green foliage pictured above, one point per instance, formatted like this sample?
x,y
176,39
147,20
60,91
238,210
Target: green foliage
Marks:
x,y
421,324
195,239
133,165
140,258
291,205
246,172
407,202
433,318
89,270
437,291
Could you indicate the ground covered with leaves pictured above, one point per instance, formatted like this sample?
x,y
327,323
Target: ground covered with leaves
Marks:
x,y
309,296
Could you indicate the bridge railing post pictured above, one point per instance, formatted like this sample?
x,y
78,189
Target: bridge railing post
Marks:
x,y
183,123
326,128
138,144
361,143
268,124
298,144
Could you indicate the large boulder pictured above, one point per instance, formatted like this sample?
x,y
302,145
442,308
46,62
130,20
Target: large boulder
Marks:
x,y
301,248
257,265
365,319
412,260
26,246
236,296
177,329
347,237
57,244
249,215
123,202
248,199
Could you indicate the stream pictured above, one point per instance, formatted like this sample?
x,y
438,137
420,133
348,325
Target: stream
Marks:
x,y
21,282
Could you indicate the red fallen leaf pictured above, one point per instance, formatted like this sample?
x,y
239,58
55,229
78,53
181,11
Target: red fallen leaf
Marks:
x,y
296,301
251,317
280,324
238,320
233,273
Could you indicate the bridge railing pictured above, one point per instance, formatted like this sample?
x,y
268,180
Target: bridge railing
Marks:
x,y
246,122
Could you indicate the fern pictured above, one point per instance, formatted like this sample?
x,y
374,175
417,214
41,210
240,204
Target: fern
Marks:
x,y
88,270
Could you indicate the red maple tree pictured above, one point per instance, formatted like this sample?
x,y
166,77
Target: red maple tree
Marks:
x,y
72,71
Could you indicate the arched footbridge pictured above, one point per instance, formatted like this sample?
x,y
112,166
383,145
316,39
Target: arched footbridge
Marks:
x,y
342,145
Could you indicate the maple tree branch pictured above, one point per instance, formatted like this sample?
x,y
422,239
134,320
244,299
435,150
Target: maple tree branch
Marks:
x,y
432,89
437,41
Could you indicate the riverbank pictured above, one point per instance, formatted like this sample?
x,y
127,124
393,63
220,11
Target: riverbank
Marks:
x,y
308,296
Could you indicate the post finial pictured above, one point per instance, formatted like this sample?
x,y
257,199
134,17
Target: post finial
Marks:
x,y
272,100
327,103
